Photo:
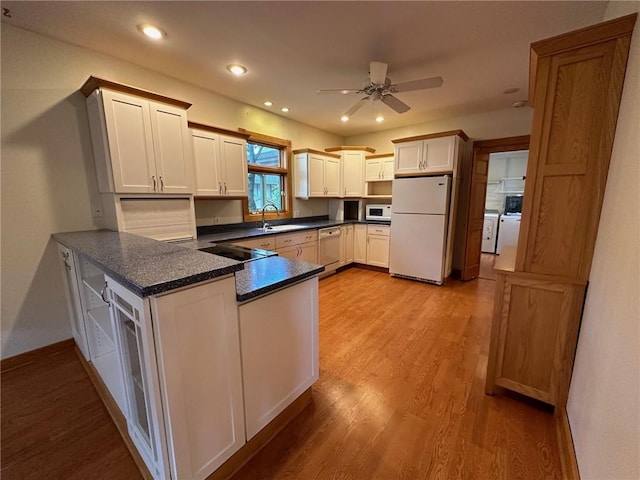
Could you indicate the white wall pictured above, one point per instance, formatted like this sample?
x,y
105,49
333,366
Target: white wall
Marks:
x,y
509,122
48,177
604,399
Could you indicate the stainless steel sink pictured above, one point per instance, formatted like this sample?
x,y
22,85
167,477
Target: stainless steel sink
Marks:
x,y
283,228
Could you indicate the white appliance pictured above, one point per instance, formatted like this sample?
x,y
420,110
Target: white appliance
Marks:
x,y
378,212
508,231
329,248
490,232
419,221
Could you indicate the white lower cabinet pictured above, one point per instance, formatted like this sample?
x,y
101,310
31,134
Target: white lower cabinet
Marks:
x,y
198,354
279,345
346,245
182,377
298,246
378,245
132,319
360,243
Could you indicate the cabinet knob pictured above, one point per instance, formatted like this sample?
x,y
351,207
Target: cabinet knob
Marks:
x,y
103,293
161,184
153,178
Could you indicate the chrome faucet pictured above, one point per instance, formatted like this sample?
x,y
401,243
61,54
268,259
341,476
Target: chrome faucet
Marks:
x,y
268,204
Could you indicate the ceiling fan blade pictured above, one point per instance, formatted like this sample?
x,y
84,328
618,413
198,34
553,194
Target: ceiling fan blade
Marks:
x,y
377,72
343,91
394,103
356,106
432,82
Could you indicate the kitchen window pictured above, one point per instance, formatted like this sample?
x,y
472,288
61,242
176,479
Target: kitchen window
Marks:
x,y
269,177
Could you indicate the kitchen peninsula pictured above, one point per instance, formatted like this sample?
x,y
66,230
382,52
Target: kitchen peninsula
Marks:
x,y
194,349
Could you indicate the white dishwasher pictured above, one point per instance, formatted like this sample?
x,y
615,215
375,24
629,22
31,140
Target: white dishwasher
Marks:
x,y
329,248
508,231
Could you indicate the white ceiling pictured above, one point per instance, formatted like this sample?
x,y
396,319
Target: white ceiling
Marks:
x,y
294,48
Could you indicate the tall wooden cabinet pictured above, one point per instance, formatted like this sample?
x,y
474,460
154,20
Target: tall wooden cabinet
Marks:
x,y
575,89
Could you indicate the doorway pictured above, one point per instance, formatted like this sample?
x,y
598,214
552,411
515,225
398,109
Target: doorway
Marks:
x,y
493,186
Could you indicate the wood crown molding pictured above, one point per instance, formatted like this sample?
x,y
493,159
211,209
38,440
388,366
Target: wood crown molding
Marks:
x,y
504,144
601,32
259,137
94,83
224,131
378,155
351,147
450,133
318,152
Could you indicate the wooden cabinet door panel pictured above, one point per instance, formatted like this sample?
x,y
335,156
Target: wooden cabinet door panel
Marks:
x,y
309,252
378,250
577,94
316,176
332,177
172,152
352,174
202,394
233,157
440,154
360,244
206,155
373,170
130,143
409,156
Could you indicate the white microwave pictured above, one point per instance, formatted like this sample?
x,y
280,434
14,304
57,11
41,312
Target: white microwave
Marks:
x,y
378,212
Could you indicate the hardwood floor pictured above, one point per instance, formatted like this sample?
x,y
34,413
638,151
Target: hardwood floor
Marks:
x,y
400,395
54,425
487,260
401,392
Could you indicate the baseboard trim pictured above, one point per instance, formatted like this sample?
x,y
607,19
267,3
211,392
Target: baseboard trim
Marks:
x,y
36,355
114,412
568,458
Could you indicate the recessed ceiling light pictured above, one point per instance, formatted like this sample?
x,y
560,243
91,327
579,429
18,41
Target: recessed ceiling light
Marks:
x,y
509,91
519,103
379,119
152,31
268,103
237,69
285,109
344,118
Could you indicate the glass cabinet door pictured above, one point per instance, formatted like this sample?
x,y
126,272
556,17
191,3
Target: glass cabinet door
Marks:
x,y
136,350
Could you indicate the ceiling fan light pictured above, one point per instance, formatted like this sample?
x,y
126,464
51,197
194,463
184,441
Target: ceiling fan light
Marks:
x,y
379,119
344,118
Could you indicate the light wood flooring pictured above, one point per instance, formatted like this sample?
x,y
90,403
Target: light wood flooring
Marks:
x,y
400,395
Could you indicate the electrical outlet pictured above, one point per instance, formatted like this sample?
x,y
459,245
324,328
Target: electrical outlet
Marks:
x,y
296,213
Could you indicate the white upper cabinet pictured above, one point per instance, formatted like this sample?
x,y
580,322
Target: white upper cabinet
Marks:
x,y
316,174
220,162
352,169
379,168
140,145
428,154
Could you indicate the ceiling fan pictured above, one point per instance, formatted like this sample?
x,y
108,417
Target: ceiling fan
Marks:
x,y
379,87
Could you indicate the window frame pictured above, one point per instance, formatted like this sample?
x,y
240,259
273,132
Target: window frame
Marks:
x,y
285,148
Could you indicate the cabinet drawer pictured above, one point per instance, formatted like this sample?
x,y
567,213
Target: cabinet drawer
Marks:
x,y
290,239
266,242
378,230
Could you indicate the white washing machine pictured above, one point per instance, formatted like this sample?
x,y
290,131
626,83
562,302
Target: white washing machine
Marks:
x,y
490,232
508,231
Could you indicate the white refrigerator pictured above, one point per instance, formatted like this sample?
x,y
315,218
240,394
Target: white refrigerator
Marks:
x,y
419,222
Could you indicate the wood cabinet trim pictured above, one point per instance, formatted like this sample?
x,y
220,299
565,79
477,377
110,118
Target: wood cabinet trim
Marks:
x,y
602,32
350,147
504,144
223,131
317,152
378,155
94,83
451,133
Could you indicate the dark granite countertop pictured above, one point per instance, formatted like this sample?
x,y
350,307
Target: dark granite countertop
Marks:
x,y
150,267
143,265
245,233
269,274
